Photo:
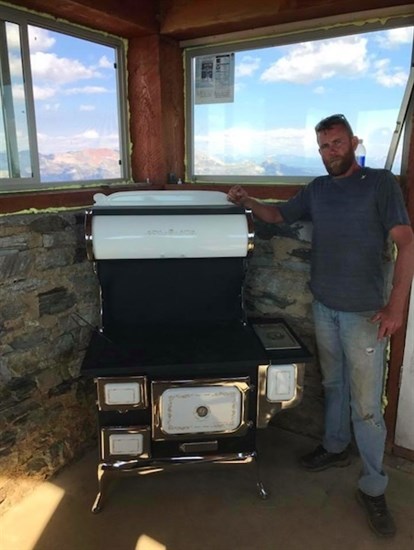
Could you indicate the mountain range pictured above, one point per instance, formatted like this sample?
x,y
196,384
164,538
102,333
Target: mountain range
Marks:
x,y
102,164
89,164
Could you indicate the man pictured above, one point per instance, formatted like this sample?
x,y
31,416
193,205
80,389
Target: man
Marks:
x,y
354,210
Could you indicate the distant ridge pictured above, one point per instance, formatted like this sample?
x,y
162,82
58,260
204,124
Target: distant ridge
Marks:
x,y
88,164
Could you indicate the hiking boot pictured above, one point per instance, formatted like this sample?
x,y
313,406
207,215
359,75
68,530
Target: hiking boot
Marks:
x,y
321,459
379,517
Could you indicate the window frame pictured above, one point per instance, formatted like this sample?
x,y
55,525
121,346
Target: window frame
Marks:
x,y
34,185
239,42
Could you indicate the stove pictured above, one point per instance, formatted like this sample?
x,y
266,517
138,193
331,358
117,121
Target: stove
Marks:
x,y
182,375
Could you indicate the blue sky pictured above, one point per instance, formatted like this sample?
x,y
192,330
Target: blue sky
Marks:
x,y
282,92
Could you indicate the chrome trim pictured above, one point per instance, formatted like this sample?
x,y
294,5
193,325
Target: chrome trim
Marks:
x,y
101,323
158,387
250,234
267,410
161,464
88,235
106,470
110,430
97,505
199,446
101,381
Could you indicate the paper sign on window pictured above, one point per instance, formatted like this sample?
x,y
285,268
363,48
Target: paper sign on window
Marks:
x,y
214,79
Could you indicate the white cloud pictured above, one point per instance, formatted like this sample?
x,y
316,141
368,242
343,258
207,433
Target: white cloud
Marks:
x,y
18,91
50,72
88,134
395,37
248,141
247,66
59,70
389,76
40,39
13,38
86,90
49,144
86,107
321,60
51,107
105,63
15,63
319,90
45,92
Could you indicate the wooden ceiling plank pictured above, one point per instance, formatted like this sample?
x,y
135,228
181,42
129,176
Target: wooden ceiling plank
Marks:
x,y
189,19
126,18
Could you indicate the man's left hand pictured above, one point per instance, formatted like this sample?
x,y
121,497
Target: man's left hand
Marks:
x,y
389,319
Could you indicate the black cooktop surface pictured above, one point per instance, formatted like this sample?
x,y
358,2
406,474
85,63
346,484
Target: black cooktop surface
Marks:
x,y
158,347
196,348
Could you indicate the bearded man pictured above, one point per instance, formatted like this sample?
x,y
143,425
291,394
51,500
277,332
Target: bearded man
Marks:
x,y
355,213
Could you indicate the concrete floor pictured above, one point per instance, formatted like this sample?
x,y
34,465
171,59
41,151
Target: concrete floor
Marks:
x,y
214,507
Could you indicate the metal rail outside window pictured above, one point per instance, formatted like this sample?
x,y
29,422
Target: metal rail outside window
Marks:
x,y
30,105
402,116
9,121
8,108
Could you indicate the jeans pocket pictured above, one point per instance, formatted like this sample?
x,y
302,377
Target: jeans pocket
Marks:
x,y
367,314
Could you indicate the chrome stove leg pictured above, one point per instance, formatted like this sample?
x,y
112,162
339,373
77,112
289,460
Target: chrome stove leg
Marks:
x,y
99,497
263,493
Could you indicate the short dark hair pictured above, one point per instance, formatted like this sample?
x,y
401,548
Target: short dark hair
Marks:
x,y
333,120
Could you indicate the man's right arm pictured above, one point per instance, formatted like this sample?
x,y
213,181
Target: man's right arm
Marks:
x,y
265,212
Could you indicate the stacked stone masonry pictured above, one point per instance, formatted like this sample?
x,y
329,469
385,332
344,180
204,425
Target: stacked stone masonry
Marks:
x,y
49,299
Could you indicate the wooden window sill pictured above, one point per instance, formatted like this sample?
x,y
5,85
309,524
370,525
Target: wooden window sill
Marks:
x,y
13,203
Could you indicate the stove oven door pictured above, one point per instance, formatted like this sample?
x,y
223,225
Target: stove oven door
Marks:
x,y
204,415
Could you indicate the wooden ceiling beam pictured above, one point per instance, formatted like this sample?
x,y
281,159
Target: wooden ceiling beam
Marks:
x,y
125,18
190,19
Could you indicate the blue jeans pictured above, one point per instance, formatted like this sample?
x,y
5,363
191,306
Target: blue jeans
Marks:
x,y
353,365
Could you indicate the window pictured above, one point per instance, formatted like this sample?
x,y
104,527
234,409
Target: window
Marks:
x,y
253,105
62,118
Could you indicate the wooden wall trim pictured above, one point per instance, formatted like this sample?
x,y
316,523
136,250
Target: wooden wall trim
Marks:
x,y
12,203
145,103
398,339
408,454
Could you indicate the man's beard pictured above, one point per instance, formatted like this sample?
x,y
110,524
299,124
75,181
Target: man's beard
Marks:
x,y
340,164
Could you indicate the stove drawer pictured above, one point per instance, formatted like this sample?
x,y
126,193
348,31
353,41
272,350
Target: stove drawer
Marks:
x,y
279,387
125,443
122,393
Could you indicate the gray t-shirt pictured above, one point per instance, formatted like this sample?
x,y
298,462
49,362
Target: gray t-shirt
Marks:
x,y
351,218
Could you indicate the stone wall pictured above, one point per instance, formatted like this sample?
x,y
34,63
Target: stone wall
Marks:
x,y
277,286
50,300
47,287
